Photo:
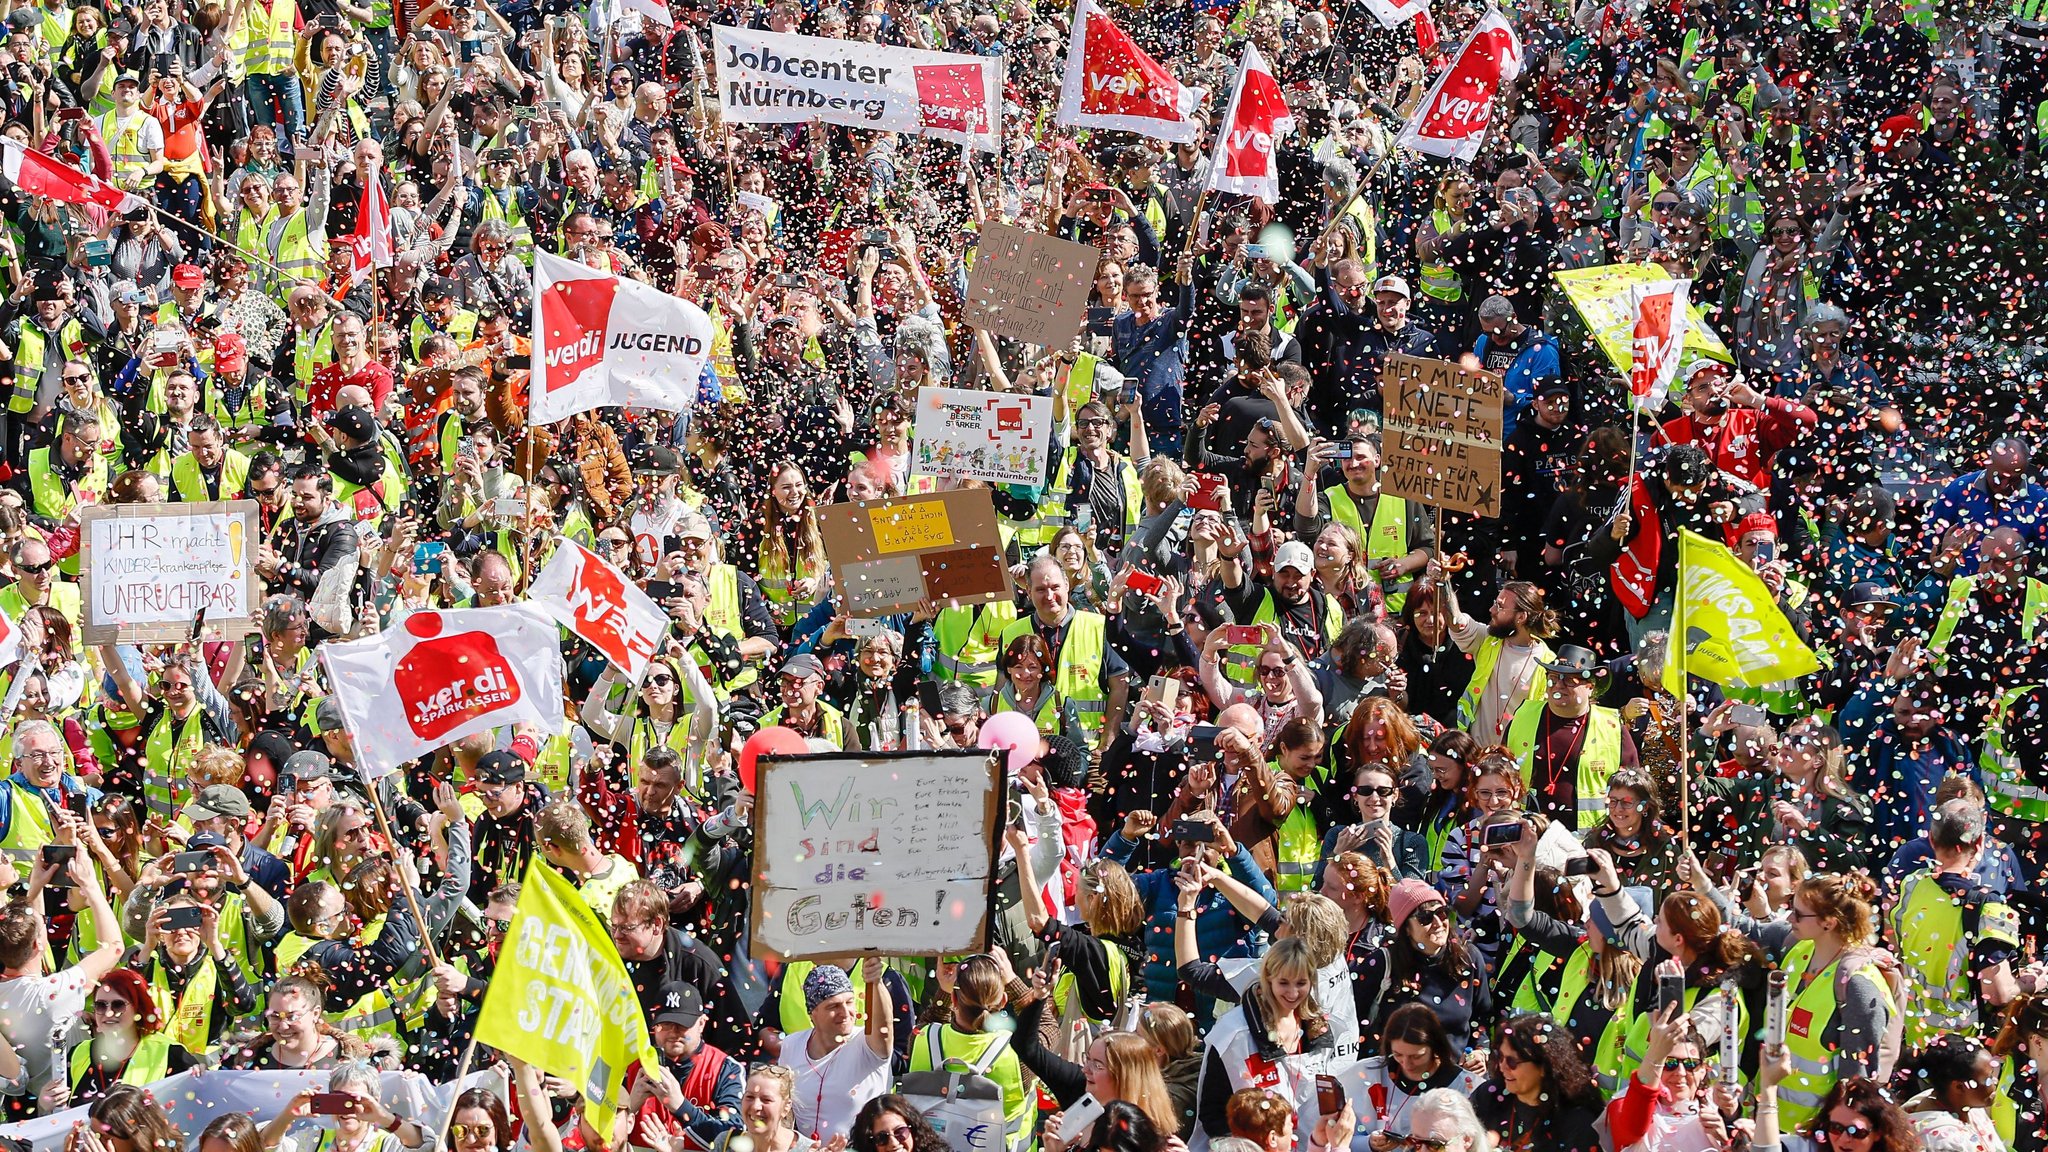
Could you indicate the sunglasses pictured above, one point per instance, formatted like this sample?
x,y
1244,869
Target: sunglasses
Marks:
x,y
1509,1060
901,1134
33,569
1856,1131
660,681
1272,670
1433,1143
1689,1063
1431,913
1376,789
468,1131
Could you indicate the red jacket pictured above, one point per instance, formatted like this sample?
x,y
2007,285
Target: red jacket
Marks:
x,y
1748,437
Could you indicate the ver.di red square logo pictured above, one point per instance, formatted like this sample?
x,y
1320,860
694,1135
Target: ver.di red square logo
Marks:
x,y
950,98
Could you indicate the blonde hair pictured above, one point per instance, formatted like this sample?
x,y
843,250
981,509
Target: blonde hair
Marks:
x,y
782,1075
1134,1068
977,991
1317,921
217,764
1109,900
563,824
1164,482
1288,957
1168,1028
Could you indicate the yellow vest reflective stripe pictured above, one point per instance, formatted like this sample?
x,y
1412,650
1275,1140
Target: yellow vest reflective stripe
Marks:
x,y
1366,221
1637,1039
1572,986
968,638
31,345
2032,609
1483,663
512,218
309,355
1386,539
1078,664
55,497
190,484
254,408
252,234
167,757
775,579
1239,660
1934,942
29,827
149,1063
462,326
1297,846
1063,484
967,1048
642,740
1599,754
1440,281
300,255
187,1018
831,722
1047,715
722,614
272,39
124,142
1808,1016
2006,788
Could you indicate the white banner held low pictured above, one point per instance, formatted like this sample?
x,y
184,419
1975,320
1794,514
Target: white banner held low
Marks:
x,y
782,78
999,437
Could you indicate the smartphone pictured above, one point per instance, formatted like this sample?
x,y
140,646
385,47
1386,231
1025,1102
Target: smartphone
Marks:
x,y
59,853
1079,1117
1163,689
191,862
1670,987
1144,583
1201,743
470,47
187,916
98,253
71,114
1776,1001
1581,866
1237,635
860,629
1206,491
429,556
1193,832
334,1103
1329,1096
1766,551
877,238
1748,716
1344,452
1506,832
788,280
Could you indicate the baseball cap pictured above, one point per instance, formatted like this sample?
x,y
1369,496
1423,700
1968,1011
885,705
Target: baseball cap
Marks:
x,y
128,77
501,767
681,1004
308,766
230,352
439,288
355,423
1865,593
1296,555
188,276
1554,386
1392,284
693,526
803,664
216,800
327,715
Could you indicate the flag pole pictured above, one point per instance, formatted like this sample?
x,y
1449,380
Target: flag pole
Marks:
x,y
412,900
461,1074
1674,648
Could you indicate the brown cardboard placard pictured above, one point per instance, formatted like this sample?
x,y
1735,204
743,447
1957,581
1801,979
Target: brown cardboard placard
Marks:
x,y
1442,434
1029,286
148,570
879,551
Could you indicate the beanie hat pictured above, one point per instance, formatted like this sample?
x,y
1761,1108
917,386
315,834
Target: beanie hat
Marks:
x,y
824,983
1406,897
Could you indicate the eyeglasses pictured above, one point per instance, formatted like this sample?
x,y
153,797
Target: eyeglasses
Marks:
x,y
111,1007
1433,1143
1272,670
1508,1059
1785,231
1857,1131
1688,1063
1664,205
1381,790
29,569
76,378
901,1134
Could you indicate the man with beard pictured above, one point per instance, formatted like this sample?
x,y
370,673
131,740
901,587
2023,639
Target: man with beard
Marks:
x,y
658,955
1739,428
1508,655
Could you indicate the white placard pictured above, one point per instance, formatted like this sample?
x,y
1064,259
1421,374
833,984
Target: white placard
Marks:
x,y
150,569
999,437
882,855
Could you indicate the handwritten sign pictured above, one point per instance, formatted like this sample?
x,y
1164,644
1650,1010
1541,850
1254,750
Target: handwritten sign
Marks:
x,y
151,569
1442,434
1000,437
883,855
1029,286
892,555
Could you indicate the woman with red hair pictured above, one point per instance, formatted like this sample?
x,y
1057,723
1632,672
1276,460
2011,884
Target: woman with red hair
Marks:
x,y
127,1044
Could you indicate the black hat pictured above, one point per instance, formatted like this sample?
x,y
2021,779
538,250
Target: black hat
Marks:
x,y
681,1004
439,288
1864,593
501,767
355,423
1573,660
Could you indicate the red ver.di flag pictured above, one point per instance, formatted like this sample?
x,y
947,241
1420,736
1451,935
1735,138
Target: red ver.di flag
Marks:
x,y
1661,314
1393,13
1113,83
1452,121
438,676
600,341
1258,117
589,597
39,175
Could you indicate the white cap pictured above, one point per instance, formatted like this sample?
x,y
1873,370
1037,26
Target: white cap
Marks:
x,y
1296,555
1392,284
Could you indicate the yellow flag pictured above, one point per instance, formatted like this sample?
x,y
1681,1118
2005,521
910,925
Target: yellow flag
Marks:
x,y
1725,626
560,998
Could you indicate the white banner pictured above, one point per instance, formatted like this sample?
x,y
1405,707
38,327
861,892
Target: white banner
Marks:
x,y
1000,437
599,341
780,78
437,676
589,597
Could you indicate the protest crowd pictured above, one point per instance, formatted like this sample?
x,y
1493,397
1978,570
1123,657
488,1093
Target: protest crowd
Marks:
x,y
1491,562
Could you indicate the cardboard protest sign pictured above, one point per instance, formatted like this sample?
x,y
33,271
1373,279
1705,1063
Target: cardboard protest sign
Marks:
x,y
782,78
151,569
1000,437
882,854
891,555
1442,434
1029,286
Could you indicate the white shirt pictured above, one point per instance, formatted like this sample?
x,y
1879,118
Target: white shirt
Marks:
x,y
39,1016
831,1089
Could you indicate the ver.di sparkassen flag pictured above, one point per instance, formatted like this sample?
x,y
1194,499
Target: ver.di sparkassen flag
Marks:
x,y
560,998
1661,313
1113,83
1725,625
1451,121
1243,163
599,341
439,675
40,175
609,612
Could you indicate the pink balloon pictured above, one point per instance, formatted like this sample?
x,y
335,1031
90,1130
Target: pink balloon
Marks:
x,y
774,740
1014,731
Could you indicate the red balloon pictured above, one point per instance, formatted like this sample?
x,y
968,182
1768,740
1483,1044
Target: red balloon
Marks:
x,y
771,741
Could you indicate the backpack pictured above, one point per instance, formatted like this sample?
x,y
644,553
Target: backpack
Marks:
x,y
959,1098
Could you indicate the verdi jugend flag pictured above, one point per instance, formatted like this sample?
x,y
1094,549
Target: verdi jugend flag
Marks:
x,y
1726,626
560,998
